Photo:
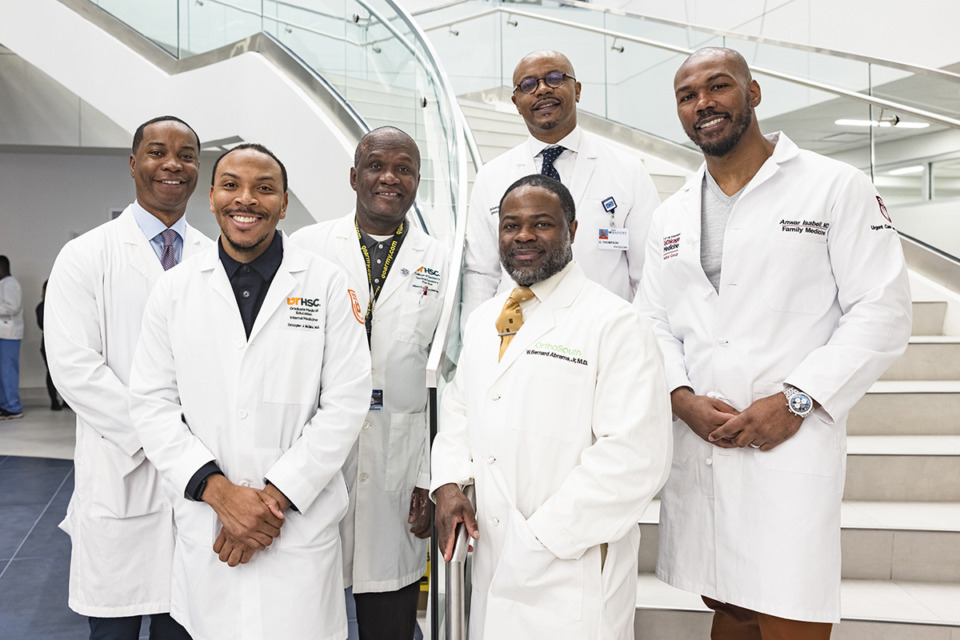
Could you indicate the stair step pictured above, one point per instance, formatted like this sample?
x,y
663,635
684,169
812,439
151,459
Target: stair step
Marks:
x,y
928,318
870,609
879,541
927,358
903,468
908,407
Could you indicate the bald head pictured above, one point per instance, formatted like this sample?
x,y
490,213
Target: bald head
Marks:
x,y
552,58
386,138
729,59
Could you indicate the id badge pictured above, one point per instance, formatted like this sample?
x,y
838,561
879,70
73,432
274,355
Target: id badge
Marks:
x,y
376,400
614,239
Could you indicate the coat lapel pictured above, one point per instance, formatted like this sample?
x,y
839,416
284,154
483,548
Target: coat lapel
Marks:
x,y
347,250
283,284
137,250
543,319
583,170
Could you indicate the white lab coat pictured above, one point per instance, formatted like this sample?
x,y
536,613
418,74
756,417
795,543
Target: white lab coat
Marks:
x,y
827,310
567,440
600,171
120,525
11,309
391,455
251,405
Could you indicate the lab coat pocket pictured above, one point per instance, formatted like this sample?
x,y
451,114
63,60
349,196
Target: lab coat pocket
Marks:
x,y
529,574
816,449
798,276
289,379
408,433
123,486
418,316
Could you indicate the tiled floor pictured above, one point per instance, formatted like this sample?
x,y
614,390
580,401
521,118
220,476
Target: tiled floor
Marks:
x,y
36,476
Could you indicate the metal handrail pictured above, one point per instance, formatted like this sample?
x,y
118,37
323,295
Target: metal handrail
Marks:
x,y
902,66
455,620
853,95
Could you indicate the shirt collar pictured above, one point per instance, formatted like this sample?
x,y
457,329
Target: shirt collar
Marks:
x,y
571,142
544,288
151,226
266,264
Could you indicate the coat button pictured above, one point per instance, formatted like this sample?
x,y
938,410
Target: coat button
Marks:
x,y
709,461
495,522
491,460
722,342
494,396
364,477
366,425
242,414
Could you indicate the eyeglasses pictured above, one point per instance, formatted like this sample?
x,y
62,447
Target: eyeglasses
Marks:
x,y
554,80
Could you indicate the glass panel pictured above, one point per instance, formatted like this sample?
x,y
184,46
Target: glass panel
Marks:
x,y
945,178
156,20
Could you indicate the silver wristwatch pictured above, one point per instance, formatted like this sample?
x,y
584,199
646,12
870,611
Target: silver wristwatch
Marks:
x,y
798,402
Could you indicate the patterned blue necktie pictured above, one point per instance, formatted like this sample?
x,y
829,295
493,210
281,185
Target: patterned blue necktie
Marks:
x,y
549,155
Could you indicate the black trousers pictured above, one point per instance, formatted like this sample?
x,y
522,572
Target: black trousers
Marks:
x,y
162,627
390,615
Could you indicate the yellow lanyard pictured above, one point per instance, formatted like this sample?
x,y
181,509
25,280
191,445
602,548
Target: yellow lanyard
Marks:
x,y
391,254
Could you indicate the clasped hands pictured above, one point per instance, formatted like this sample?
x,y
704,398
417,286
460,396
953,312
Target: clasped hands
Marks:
x,y
251,518
763,425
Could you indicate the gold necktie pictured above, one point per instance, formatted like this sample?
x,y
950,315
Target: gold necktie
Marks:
x,y
511,318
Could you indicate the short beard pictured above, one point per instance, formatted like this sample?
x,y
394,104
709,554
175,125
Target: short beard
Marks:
x,y
552,266
720,148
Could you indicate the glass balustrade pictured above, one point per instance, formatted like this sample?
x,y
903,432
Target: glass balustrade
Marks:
x,y
363,48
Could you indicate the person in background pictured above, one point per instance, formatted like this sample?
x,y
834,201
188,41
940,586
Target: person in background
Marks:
x,y
612,190
11,333
55,404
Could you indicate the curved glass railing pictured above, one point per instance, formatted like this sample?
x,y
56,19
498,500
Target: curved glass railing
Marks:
x,y
370,51
899,123
858,109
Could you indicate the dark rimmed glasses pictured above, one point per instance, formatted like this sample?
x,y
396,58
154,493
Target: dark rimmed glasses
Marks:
x,y
554,80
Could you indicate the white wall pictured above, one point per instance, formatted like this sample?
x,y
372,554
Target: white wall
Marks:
x,y
50,198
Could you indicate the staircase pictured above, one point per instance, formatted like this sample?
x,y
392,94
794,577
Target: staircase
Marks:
x,y
901,511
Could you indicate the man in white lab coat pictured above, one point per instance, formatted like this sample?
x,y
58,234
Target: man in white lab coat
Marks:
x,y
777,289
120,525
560,416
399,274
614,194
249,385
11,333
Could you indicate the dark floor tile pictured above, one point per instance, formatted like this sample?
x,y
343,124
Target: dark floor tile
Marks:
x,y
28,483
47,540
16,521
33,602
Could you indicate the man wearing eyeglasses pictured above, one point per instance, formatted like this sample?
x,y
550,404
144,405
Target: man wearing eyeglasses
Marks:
x,y
614,194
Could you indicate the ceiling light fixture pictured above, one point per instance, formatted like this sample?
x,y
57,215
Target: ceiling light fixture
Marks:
x,y
905,171
893,121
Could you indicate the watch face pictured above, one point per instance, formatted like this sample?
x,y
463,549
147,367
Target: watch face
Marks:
x,y
800,403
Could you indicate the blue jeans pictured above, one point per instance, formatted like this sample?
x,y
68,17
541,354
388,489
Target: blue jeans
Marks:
x,y
10,376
